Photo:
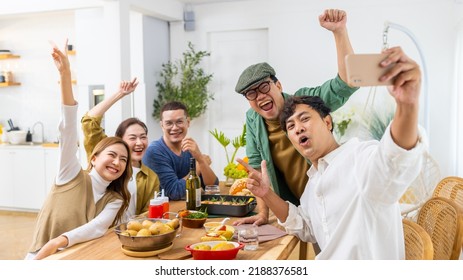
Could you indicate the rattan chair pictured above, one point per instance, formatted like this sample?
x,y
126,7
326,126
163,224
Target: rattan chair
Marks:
x,y
451,188
442,219
418,243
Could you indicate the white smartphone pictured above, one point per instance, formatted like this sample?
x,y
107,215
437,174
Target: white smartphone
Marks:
x,y
364,70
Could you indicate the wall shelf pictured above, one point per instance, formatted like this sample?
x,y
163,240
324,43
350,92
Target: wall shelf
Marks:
x,y
8,56
9,84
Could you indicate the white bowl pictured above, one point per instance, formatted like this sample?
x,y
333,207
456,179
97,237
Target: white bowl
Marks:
x,y
210,225
16,137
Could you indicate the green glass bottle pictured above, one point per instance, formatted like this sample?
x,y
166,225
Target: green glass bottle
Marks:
x,y
193,188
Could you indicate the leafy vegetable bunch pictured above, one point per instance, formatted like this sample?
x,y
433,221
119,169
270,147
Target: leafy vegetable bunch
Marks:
x,y
232,170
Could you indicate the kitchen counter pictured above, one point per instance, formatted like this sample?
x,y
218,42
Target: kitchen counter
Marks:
x,y
29,145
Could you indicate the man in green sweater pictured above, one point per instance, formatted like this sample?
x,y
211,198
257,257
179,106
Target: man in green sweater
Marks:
x,y
265,140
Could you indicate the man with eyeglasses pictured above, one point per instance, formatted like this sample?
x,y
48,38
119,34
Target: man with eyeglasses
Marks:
x,y
170,156
265,139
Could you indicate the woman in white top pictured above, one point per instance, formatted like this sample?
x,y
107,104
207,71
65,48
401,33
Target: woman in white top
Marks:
x,y
82,204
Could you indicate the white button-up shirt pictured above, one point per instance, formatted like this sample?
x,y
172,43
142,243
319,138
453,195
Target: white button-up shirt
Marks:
x,y
350,204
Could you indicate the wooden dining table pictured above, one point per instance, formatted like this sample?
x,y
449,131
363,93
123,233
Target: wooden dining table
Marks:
x,y
108,247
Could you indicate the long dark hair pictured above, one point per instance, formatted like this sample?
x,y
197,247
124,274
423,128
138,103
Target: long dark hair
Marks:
x,y
120,184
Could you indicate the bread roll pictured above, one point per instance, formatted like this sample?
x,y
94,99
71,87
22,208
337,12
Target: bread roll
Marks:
x,y
238,186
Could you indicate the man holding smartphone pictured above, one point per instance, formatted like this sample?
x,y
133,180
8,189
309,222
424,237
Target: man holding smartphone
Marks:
x,y
350,205
265,139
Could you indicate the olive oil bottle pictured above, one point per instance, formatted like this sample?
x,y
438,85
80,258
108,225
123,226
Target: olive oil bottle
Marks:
x,y
193,188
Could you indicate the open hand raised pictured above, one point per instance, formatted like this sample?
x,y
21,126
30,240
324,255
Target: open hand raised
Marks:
x,y
60,57
127,87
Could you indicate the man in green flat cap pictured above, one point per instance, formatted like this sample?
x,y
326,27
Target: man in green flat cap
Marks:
x,y
265,140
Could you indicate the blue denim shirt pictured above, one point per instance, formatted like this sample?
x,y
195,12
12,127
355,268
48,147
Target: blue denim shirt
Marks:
x,y
171,168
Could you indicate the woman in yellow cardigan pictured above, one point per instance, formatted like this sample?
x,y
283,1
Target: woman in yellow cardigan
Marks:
x,y
135,133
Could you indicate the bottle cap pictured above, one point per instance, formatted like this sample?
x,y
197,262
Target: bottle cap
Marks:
x,y
163,197
156,201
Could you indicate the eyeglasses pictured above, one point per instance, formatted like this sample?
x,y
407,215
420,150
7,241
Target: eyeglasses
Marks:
x,y
178,123
252,94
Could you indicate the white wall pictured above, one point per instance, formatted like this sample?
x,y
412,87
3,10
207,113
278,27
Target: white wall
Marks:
x,y
303,53
37,98
102,36
459,104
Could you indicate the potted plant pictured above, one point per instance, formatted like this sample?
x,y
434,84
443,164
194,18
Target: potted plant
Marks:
x,y
233,170
185,81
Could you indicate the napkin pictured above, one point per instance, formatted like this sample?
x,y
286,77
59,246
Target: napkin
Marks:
x,y
266,232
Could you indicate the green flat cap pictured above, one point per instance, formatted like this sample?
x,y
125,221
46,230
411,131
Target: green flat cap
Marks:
x,y
253,75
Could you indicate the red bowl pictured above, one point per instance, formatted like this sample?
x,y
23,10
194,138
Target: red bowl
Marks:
x,y
214,255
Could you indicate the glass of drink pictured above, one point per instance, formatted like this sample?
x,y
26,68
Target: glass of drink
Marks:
x,y
249,236
212,189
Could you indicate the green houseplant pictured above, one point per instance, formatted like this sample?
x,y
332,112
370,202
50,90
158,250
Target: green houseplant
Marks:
x,y
232,170
185,81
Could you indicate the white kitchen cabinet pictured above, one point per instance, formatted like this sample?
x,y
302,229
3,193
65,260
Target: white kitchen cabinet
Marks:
x,y
29,178
27,174
6,184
